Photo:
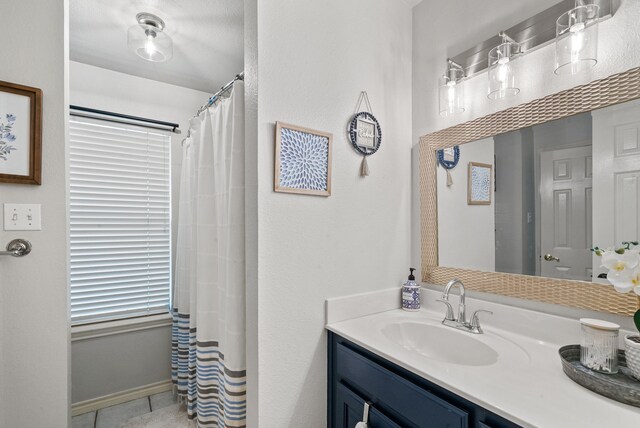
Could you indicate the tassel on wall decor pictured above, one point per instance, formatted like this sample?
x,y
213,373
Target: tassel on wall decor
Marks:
x,y
364,168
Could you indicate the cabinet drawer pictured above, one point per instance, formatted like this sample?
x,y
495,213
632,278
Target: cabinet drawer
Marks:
x,y
350,408
395,396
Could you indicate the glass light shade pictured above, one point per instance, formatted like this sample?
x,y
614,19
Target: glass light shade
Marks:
x,y
451,93
150,43
577,39
502,73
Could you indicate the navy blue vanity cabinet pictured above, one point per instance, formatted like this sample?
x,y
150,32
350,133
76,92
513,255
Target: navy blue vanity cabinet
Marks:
x,y
397,397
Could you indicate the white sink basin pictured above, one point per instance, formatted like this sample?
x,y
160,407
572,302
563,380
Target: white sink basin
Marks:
x,y
446,344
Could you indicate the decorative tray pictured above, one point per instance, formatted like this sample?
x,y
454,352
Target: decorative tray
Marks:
x,y
622,386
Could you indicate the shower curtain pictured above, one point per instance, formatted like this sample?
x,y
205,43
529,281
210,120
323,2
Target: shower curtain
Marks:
x,y
208,344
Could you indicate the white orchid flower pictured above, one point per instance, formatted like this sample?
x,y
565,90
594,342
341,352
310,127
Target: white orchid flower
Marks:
x,y
618,263
624,269
625,280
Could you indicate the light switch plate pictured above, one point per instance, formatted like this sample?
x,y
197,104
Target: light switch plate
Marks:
x,y
22,217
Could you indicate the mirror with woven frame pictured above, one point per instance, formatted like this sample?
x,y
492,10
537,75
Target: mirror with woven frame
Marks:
x,y
548,273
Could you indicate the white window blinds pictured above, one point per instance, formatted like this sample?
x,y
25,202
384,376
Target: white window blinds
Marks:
x,y
120,217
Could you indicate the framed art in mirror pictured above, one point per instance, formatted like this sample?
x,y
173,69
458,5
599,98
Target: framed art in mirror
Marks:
x,y
20,134
479,183
615,89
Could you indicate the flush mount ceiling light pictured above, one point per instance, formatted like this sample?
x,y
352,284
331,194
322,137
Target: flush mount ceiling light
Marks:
x,y
451,90
577,38
502,75
147,39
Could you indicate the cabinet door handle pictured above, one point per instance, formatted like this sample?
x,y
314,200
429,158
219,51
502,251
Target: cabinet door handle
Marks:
x,y
365,417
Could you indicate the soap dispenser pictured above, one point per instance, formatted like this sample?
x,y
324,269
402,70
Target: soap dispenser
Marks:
x,y
411,293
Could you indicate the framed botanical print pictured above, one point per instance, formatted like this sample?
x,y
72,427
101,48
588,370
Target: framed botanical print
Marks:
x,y
20,134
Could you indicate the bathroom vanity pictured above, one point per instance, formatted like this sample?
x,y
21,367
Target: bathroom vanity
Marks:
x,y
415,372
398,397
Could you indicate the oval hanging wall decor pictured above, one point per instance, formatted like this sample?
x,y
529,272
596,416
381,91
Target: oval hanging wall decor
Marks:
x,y
365,133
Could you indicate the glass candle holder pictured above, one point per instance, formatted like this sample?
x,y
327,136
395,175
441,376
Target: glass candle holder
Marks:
x,y
599,345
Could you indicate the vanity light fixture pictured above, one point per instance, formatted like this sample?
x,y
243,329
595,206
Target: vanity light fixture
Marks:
x,y
577,38
502,75
147,39
451,90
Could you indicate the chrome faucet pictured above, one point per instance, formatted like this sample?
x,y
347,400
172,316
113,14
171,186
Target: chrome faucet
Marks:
x,y
461,322
462,312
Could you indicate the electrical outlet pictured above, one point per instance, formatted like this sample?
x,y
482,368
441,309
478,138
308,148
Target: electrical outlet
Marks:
x,y
22,217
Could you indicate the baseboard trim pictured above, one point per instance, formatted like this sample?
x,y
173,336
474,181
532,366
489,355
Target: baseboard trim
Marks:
x,y
120,397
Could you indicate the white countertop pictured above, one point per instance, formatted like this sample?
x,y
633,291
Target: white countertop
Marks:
x,y
532,391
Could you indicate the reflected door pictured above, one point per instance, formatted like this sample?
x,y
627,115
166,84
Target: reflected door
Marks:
x,y
565,213
616,196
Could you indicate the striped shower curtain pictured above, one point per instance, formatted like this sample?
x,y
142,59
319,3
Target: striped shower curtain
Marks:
x,y
208,346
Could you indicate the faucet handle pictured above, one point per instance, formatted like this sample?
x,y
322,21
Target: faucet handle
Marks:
x,y
449,316
475,322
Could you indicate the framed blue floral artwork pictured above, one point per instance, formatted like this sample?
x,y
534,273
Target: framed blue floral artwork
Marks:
x,y
302,161
479,183
20,134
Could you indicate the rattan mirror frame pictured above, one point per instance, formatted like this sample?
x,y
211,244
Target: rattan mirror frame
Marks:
x,y
615,89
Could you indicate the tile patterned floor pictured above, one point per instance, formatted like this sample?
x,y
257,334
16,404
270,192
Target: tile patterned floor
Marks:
x,y
114,416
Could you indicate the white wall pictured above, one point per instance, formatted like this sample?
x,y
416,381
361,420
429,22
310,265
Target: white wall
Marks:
x,y
314,59
34,335
434,40
110,364
118,362
466,232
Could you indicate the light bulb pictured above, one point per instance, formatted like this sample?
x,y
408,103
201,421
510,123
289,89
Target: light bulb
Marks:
x,y
577,44
578,26
503,73
451,95
149,47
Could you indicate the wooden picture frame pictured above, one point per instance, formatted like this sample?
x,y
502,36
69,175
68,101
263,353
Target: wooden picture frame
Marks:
x,y
302,160
20,134
476,195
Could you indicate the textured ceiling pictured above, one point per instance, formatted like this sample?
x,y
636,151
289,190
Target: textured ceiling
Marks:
x,y
207,39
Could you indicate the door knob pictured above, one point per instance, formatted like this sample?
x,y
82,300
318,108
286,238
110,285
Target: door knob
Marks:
x,y
551,258
17,248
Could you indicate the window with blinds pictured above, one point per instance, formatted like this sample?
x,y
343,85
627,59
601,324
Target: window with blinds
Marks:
x,y
120,220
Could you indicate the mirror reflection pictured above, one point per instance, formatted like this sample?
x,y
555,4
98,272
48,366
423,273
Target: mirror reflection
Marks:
x,y
547,193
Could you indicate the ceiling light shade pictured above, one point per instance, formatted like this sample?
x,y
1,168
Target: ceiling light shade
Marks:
x,y
451,90
147,39
577,39
502,73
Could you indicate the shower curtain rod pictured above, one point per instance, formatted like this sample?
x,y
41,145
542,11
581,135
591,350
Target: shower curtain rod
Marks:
x,y
216,96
